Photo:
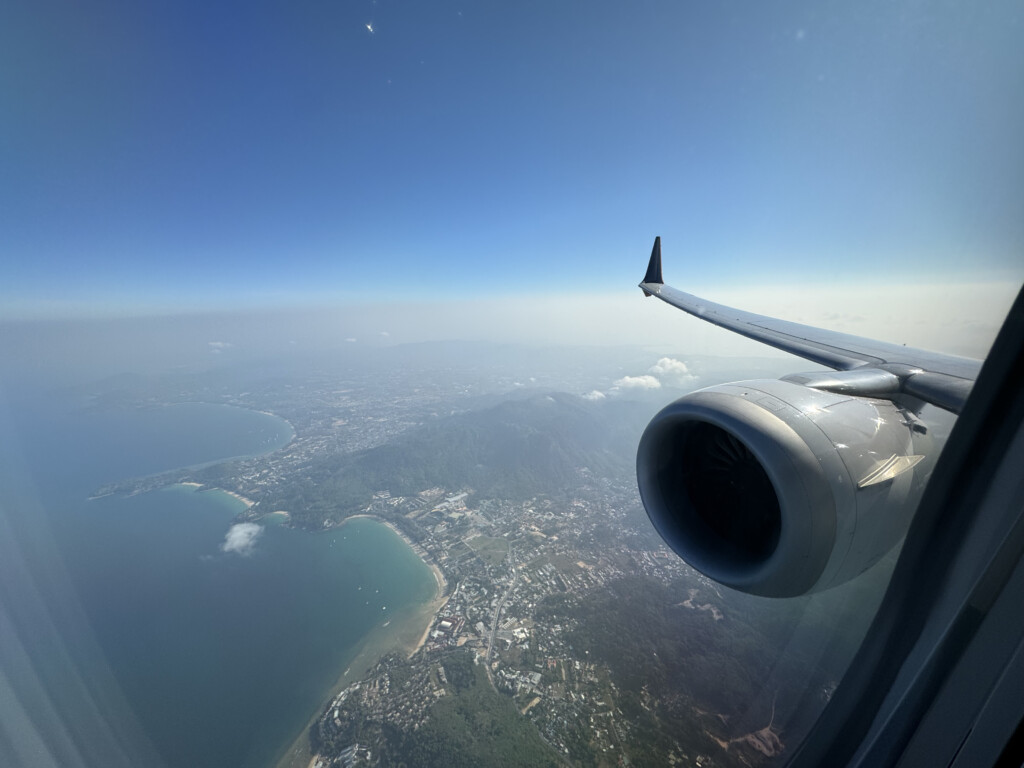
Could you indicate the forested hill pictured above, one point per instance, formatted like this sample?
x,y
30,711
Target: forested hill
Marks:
x,y
545,444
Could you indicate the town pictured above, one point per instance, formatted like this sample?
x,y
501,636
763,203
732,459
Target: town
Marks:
x,y
502,562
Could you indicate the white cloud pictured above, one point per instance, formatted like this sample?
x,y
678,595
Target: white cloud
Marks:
x,y
637,382
217,347
241,538
350,340
667,371
673,373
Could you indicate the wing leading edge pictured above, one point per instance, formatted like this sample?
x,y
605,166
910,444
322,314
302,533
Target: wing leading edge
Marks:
x,y
865,367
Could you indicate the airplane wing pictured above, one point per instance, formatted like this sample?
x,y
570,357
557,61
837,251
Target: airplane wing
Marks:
x,y
865,367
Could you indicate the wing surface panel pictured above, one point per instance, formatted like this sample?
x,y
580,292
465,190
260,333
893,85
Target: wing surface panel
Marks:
x,y
947,388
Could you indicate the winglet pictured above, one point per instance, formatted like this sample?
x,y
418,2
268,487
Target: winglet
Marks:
x,y
653,267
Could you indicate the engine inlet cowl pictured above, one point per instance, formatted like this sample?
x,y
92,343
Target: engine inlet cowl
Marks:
x,y
762,486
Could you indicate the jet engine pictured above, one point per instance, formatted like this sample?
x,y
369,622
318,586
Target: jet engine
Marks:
x,y
777,489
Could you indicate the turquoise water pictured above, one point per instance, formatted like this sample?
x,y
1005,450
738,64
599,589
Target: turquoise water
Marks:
x,y
221,657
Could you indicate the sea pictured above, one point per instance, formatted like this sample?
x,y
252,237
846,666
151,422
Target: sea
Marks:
x,y
137,630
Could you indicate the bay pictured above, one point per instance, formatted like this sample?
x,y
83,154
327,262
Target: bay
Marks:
x,y
220,656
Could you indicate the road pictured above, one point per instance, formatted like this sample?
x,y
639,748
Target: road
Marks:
x,y
497,613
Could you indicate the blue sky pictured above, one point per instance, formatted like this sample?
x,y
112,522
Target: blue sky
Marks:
x,y
208,155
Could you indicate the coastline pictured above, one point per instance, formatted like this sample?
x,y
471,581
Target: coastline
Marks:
x,y
251,409
442,582
406,635
166,474
199,487
249,503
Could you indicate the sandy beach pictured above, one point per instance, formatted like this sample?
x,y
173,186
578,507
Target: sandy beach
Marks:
x,y
249,503
204,488
240,497
405,635
435,607
442,582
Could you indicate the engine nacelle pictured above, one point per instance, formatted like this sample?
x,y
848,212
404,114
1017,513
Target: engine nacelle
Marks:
x,y
776,489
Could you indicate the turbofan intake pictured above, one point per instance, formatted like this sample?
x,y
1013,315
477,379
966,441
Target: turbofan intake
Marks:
x,y
777,489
